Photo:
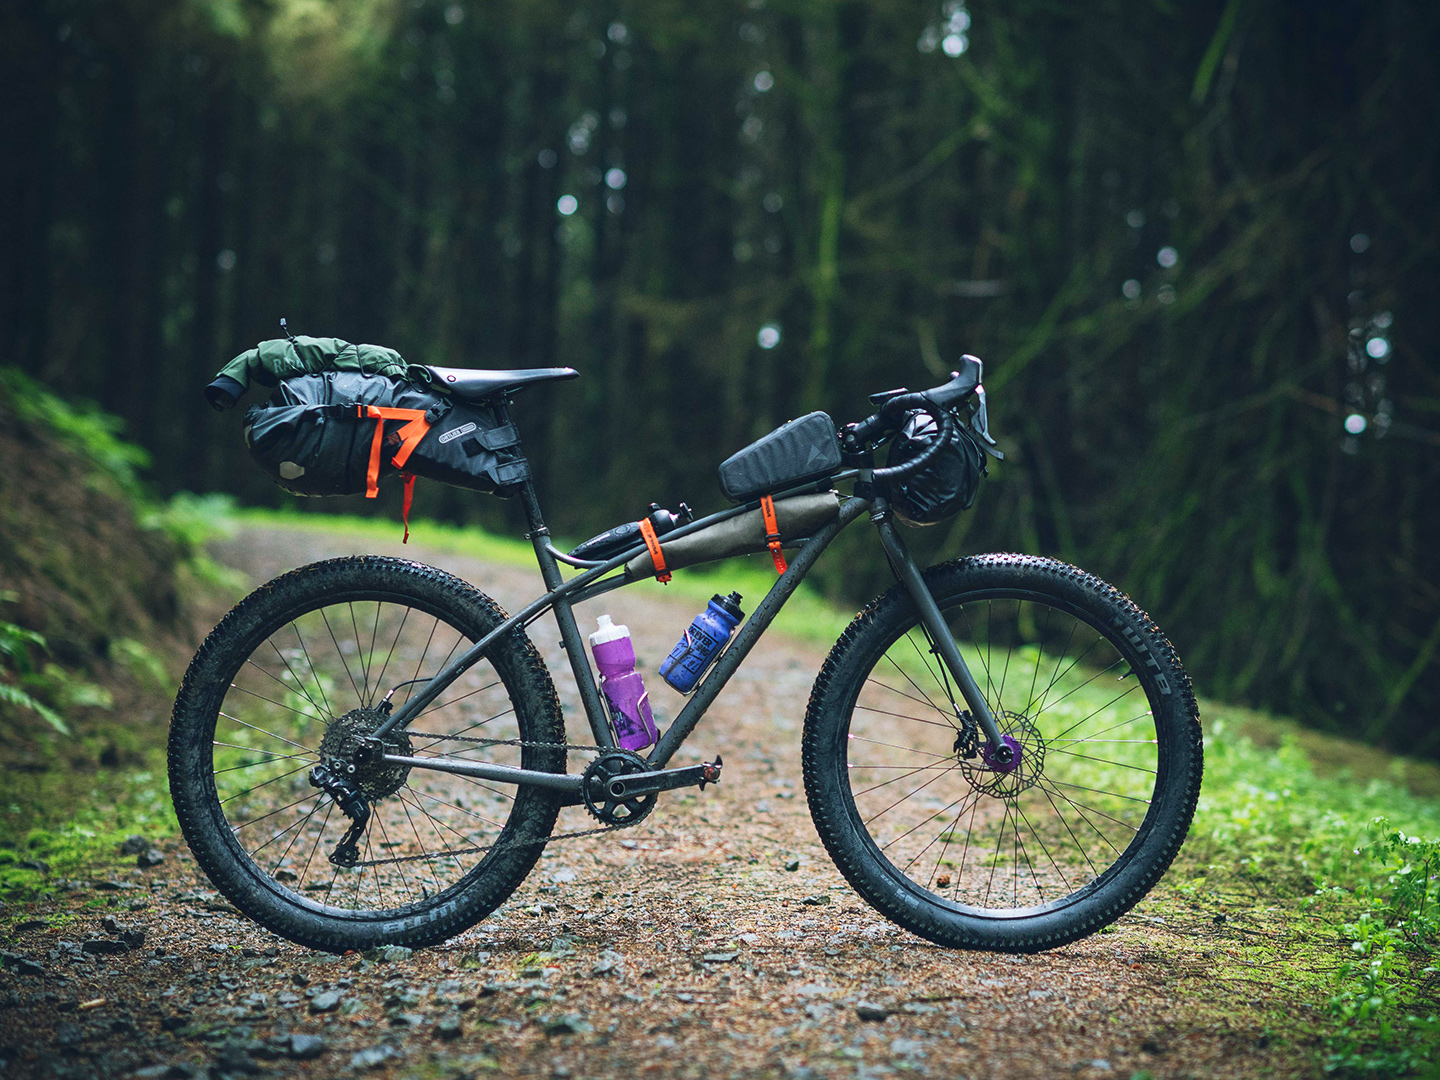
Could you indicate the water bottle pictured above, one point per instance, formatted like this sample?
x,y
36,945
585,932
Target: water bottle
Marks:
x,y
701,643
622,686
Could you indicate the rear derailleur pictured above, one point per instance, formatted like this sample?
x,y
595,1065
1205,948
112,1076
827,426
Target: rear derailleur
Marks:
x,y
351,801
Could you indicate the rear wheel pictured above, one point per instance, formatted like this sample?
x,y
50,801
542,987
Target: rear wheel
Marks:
x,y
301,669
1014,856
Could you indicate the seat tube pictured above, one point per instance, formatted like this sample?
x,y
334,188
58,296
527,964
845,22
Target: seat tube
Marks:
x,y
570,637
934,621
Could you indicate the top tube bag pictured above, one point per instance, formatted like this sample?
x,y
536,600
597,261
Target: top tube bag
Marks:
x,y
796,452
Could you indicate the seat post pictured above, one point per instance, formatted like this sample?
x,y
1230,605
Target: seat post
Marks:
x,y
570,636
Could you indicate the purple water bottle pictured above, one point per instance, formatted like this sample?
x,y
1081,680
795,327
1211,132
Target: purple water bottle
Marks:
x,y
622,686
701,643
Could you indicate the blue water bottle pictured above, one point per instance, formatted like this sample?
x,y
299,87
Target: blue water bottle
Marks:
x,y
701,643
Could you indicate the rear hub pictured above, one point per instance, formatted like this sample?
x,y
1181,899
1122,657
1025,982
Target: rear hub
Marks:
x,y
352,755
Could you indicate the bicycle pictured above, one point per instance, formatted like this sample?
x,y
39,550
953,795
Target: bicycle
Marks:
x,y
369,751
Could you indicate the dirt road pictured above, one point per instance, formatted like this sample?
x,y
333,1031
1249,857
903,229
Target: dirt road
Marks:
x,y
713,940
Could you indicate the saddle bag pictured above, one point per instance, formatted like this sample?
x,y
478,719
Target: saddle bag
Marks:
x,y
794,453
341,432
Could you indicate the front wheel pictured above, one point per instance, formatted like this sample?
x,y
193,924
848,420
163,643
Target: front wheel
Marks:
x,y
306,668
1016,856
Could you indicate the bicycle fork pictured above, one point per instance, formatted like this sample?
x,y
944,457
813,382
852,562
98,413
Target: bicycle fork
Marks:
x,y
999,753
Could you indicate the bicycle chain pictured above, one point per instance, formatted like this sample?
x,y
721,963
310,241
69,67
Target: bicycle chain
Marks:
x,y
513,844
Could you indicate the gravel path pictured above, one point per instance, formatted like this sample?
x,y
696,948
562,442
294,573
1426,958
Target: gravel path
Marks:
x,y
715,939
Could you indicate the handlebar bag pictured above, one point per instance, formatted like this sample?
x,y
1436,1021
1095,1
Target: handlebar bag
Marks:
x,y
947,483
316,436
794,453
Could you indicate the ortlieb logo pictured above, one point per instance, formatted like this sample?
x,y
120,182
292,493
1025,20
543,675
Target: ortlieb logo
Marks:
x,y
463,429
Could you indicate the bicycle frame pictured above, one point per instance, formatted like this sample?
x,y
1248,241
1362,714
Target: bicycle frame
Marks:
x,y
563,595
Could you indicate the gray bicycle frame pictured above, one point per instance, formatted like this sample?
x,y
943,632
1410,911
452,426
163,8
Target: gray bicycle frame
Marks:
x,y
564,595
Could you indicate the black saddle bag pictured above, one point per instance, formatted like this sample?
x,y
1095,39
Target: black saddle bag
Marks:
x,y
340,432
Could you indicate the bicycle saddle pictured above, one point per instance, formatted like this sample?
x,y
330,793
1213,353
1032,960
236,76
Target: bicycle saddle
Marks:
x,y
473,384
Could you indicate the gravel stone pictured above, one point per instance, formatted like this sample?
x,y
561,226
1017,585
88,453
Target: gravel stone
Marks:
x,y
104,947
305,1047
325,1002
373,1057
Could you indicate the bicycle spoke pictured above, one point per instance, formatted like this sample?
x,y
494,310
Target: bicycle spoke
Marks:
x,y
380,679
319,682
902,716
265,783
912,682
364,664
897,746
340,653
303,692
904,798
277,704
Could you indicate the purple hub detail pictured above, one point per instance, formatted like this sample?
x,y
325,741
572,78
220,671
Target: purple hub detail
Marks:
x,y
1005,767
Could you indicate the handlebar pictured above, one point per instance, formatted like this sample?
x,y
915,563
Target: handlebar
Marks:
x,y
937,400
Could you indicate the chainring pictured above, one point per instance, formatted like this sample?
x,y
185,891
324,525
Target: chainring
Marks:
x,y
595,789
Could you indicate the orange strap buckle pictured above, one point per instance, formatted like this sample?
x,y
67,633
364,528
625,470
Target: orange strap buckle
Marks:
x,y
772,532
652,545
410,436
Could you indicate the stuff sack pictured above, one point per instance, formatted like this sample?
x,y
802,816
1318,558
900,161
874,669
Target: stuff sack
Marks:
x,y
339,432
794,453
274,361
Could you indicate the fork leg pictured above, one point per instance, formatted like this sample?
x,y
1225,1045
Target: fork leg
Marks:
x,y
909,575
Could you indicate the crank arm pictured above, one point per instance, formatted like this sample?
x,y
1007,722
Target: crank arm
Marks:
x,y
649,783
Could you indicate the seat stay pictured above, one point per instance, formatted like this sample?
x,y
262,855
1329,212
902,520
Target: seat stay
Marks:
x,y
477,384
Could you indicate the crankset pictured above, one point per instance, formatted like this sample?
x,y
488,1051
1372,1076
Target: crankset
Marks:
x,y
619,788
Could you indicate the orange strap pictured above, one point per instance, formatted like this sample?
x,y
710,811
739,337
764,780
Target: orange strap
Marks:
x,y
772,532
409,498
652,545
410,436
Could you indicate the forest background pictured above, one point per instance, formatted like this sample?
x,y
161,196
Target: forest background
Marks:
x,y
1195,243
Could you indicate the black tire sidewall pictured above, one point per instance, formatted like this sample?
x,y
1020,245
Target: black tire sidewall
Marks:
x,y
1140,865
202,694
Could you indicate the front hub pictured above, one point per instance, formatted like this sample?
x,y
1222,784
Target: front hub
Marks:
x,y
1005,773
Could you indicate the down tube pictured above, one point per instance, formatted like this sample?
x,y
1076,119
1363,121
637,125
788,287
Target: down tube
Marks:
x,y
764,615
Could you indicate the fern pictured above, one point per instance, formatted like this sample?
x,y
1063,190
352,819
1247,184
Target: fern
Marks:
x,y
15,645
14,696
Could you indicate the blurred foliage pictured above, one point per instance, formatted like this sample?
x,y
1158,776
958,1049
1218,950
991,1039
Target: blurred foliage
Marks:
x,y
1195,243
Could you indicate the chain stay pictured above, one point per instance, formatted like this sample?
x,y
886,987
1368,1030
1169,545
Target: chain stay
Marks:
x,y
513,844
